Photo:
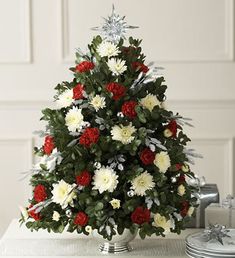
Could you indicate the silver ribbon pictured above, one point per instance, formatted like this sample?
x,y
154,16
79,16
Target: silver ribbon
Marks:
x,y
215,232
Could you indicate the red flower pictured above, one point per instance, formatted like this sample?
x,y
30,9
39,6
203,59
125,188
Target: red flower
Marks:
x,y
172,126
49,144
84,66
128,108
140,66
84,178
147,156
140,215
39,193
181,179
184,208
117,89
178,166
81,219
33,214
78,91
89,136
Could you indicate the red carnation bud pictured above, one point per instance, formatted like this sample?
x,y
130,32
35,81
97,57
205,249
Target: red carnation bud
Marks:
x,y
116,89
128,109
140,66
49,144
84,178
181,179
85,66
33,214
172,126
178,166
39,193
89,136
140,215
81,219
147,156
78,91
184,208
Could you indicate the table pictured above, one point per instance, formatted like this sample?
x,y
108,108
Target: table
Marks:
x,y
19,241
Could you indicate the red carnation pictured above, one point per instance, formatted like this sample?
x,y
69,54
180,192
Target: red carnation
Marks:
x,y
147,156
140,215
140,66
178,166
39,193
181,179
172,126
84,66
81,219
128,108
78,91
184,208
33,214
89,136
117,89
49,144
84,178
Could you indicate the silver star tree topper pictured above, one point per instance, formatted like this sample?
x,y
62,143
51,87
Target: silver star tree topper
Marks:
x,y
114,27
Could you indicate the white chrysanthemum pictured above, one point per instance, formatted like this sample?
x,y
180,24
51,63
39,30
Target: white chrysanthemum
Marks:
x,y
181,190
24,213
162,161
190,211
105,179
74,119
63,193
167,133
115,203
161,221
65,99
56,216
123,133
142,183
150,101
108,49
117,66
98,102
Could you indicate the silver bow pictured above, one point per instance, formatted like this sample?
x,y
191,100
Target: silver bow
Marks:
x,y
215,232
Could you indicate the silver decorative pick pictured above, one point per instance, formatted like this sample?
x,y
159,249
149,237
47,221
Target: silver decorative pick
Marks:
x,y
114,27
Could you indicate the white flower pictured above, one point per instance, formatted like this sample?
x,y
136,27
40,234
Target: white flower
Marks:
x,y
105,179
167,133
142,183
63,193
150,101
98,102
123,133
181,190
88,229
74,119
162,161
65,99
115,203
108,49
56,216
24,213
117,66
190,211
161,221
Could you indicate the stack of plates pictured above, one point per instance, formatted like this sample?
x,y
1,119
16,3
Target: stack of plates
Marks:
x,y
197,247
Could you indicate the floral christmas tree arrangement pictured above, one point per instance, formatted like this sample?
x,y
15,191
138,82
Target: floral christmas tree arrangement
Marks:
x,y
113,157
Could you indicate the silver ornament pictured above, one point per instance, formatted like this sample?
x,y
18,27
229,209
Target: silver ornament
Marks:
x,y
173,179
68,213
114,27
131,193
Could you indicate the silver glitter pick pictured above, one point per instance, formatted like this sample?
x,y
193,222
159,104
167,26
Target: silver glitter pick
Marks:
x,y
114,27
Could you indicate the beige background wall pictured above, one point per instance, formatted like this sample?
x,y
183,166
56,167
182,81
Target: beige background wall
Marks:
x,y
192,39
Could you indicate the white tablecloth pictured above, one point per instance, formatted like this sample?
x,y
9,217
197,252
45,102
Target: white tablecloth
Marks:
x,y
19,242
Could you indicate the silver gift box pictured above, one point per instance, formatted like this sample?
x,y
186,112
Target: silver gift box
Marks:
x,y
208,194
